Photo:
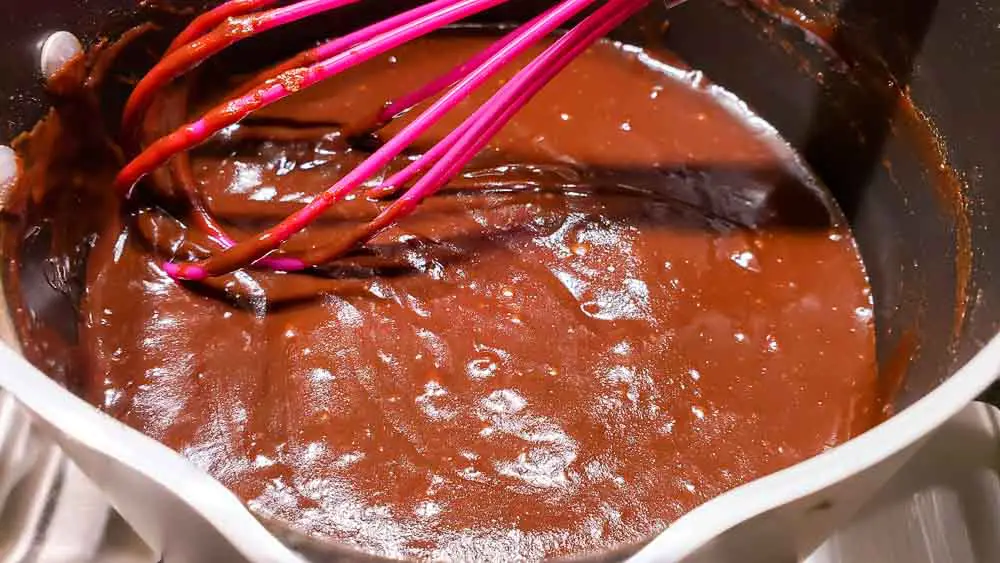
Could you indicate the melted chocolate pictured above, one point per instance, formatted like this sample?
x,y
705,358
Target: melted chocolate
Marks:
x,y
635,300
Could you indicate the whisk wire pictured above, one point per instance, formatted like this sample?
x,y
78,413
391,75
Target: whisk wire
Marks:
x,y
221,27
257,247
474,134
229,32
232,111
339,45
214,17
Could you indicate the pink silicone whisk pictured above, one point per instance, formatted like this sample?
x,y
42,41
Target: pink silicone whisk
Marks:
x,y
239,19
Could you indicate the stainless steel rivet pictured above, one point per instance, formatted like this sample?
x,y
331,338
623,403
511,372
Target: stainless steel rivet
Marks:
x,y
8,172
58,49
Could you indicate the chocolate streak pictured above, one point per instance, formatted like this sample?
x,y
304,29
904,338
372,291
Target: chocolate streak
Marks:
x,y
633,301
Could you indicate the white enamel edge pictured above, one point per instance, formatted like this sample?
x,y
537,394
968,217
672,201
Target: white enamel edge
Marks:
x,y
700,526
81,423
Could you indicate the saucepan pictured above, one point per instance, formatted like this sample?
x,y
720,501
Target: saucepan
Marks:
x,y
892,104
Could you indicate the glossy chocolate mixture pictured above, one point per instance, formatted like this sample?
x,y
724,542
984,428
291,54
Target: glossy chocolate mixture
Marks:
x,y
635,300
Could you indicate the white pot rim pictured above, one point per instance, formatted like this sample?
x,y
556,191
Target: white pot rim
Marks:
x,y
78,423
698,527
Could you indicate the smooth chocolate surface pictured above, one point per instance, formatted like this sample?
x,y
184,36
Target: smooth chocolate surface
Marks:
x,y
635,300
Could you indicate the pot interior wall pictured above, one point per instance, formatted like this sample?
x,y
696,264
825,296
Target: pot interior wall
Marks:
x,y
838,112
915,190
